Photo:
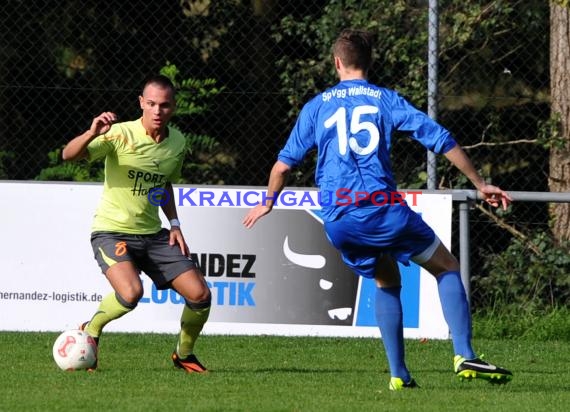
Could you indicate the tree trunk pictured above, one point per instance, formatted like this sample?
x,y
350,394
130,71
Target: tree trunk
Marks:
x,y
559,179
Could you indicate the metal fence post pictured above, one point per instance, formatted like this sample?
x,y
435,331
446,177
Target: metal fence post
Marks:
x,y
433,46
464,246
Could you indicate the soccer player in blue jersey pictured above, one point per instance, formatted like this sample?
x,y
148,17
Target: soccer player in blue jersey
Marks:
x,y
351,126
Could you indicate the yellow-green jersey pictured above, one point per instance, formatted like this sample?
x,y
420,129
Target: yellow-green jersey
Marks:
x,y
134,164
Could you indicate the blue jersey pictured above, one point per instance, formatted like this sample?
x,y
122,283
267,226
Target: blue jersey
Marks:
x,y
351,126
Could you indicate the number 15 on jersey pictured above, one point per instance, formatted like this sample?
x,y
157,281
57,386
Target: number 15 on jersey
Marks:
x,y
338,119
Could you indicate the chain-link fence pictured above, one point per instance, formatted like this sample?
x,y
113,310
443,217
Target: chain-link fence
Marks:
x,y
64,62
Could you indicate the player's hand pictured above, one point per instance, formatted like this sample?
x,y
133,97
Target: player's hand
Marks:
x,y
496,197
176,238
255,214
102,123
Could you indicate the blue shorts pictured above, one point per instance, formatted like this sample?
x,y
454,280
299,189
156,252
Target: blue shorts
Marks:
x,y
367,233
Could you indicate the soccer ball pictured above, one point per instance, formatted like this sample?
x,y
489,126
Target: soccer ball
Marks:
x,y
75,350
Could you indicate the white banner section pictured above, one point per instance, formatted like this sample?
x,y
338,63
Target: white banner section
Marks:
x,y
282,277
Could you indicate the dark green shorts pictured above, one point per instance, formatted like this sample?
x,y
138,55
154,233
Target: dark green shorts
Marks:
x,y
151,254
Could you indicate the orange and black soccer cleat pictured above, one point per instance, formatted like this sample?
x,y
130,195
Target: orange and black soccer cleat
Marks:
x,y
190,364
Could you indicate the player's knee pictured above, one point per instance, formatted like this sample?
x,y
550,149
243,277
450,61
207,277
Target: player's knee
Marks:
x,y
448,263
131,295
442,261
198,292
387,283
203,303
129,300
203,295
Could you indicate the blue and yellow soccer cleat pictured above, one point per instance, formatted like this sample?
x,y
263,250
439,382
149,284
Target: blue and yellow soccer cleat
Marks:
x,y
397,384
467,369
190,364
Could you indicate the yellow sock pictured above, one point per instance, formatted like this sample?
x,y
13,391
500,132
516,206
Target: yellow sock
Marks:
x,y
191,323
109,309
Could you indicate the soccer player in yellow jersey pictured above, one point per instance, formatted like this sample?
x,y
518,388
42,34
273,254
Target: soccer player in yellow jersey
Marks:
x,y
142,158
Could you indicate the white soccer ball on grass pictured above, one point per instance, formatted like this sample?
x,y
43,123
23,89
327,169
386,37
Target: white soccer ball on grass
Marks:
x,y
75,350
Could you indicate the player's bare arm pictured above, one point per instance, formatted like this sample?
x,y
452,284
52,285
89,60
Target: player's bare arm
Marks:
x,y
277,179
177,238
493,195
169,210
76,149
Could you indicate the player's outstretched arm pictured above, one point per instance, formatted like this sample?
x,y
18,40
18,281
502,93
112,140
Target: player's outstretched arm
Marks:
x,y
169,210
277,179
493,195
77,148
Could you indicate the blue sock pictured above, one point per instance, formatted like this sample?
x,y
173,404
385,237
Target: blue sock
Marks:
x,y
390,321
456,312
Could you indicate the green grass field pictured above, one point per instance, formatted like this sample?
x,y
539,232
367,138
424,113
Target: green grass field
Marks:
x,y
263,373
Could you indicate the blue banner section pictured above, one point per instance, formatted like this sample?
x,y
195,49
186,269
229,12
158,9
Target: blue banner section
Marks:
x,y
410,298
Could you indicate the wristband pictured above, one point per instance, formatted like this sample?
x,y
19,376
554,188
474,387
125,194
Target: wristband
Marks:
x,y
174,222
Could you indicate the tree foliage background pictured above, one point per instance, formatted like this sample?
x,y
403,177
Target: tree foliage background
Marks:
x,y
249,65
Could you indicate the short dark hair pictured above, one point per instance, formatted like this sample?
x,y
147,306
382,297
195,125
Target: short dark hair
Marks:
x,y
354,48
159,80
